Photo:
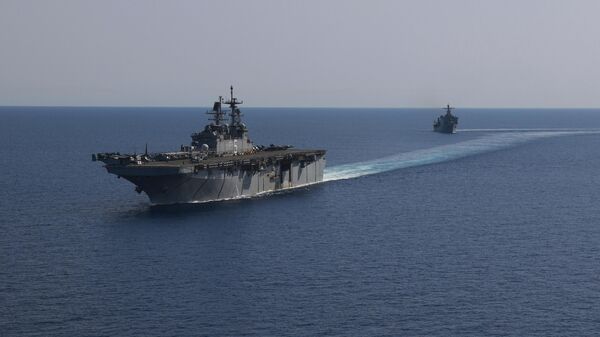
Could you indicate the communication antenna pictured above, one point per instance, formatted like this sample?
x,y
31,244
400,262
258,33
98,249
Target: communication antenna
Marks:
x,y
448,109
236,114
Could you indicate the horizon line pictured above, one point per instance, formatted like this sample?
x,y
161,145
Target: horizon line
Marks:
x,y
294,107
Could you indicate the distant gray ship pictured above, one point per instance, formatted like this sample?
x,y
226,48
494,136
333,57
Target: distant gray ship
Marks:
x,y
446,123
220,163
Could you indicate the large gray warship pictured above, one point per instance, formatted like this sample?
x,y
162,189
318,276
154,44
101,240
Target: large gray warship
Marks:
x,y
446,123
220,163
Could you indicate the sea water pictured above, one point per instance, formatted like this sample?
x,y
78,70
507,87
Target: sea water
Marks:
x,y
494,230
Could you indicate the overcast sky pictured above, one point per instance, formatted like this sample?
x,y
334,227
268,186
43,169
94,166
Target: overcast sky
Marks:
x,y
419,53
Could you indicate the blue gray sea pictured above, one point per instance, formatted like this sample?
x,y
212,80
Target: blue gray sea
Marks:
x,y
493,231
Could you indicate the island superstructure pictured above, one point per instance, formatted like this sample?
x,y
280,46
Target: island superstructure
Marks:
x,y
446,123
220,163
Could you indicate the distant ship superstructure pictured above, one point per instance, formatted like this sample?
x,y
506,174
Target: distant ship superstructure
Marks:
x,y
446,123
220,163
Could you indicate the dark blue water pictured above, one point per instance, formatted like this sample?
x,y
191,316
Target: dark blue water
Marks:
x,y
488,232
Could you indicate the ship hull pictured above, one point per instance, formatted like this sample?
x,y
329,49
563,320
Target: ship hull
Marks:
x,y
214,184
446,128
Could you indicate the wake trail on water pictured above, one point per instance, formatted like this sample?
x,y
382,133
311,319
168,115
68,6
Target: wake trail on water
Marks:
x,y
495,139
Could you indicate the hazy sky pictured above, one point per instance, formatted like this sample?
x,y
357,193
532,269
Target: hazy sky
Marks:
x,y
505,53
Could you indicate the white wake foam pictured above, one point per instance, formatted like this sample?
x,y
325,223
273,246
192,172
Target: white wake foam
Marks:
x,y
489,142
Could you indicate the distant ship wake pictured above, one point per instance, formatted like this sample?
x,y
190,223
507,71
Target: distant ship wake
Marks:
x,y
496,139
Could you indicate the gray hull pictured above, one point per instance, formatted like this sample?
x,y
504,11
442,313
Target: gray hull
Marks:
x,y
224,183
445,128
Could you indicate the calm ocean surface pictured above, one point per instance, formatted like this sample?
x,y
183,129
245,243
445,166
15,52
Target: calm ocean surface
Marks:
x,y
492,231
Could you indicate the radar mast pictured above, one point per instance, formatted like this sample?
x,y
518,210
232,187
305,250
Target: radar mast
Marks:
x,y
218,116
236,114
448,109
